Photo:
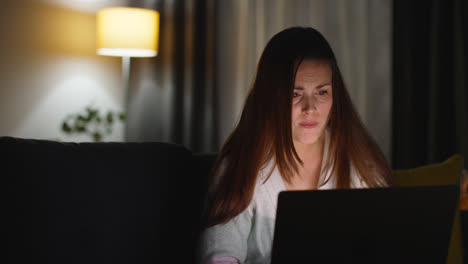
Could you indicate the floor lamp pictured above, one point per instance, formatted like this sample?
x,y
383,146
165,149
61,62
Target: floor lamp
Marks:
x,y
127,32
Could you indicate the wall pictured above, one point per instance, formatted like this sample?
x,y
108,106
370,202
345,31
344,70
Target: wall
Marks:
x,y
49,69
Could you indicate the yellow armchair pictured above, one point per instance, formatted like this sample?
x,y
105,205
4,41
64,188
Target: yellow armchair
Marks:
x,y
445,173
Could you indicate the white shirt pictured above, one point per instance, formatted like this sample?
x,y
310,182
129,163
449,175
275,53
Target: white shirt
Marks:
x,y
248,237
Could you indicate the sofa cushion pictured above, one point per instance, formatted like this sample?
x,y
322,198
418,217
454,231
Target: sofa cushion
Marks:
x,y
96,202
447,172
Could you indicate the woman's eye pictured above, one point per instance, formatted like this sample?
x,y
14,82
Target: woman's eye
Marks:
x,y
322,92
295,95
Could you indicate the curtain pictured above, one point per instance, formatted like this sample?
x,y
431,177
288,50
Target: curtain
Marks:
x,y
193,92
430,81
359,32
172,96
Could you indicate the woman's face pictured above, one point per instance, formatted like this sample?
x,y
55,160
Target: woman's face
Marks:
x,y
312,101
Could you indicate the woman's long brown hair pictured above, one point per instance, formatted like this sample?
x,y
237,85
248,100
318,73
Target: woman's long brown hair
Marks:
x,y
264,129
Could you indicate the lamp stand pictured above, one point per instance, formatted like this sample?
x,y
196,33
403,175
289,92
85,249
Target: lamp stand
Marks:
x,y
126,83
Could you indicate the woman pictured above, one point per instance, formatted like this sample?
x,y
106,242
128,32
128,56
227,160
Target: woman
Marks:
x,y
298,131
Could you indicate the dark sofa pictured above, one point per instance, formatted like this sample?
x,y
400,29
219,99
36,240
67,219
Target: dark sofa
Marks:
x,y
100,202
103,202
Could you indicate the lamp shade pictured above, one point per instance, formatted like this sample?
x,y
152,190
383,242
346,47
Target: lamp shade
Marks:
x,y
127,31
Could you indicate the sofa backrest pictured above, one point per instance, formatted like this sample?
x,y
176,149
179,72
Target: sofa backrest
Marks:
x,y
100,202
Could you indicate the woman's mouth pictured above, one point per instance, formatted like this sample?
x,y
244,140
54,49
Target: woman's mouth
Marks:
x,y
308,124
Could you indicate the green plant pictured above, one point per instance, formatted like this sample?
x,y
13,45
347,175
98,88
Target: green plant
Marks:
x,y
92,123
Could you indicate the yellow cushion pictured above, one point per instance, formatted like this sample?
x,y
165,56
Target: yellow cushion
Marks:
x,y
445,173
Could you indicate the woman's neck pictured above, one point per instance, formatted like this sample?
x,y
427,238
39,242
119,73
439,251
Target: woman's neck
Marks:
x,y
309,174
310,153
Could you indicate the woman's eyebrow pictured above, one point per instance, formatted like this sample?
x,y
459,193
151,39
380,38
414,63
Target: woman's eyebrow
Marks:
x,y
316,87
322,85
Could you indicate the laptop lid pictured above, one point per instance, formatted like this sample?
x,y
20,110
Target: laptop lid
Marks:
x,y
380,225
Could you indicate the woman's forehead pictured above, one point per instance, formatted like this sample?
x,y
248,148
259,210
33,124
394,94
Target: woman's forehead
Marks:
x,y
313,70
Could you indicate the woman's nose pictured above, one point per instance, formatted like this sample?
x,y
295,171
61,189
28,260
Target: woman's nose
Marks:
x,y
309,104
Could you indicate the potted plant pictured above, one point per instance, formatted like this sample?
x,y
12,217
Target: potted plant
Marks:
x,y
92,122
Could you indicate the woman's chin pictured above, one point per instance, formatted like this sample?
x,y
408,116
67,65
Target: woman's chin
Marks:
x,y
307,140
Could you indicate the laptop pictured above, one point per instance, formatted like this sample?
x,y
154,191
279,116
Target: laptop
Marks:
x,y
379,225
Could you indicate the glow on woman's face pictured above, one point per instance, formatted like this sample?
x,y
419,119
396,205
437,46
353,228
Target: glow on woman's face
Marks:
x,y
312,101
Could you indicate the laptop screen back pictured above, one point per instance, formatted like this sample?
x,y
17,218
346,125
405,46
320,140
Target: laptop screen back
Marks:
x,y
381,225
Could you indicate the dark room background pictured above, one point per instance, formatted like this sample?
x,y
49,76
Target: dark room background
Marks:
x,y
404,64
430,85
193,92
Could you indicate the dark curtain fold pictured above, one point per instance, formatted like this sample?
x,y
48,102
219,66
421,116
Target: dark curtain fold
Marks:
x,y
430,95
204,104
172,96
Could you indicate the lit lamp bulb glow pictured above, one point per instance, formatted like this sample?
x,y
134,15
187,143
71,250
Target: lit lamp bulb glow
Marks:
x,y
127,32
